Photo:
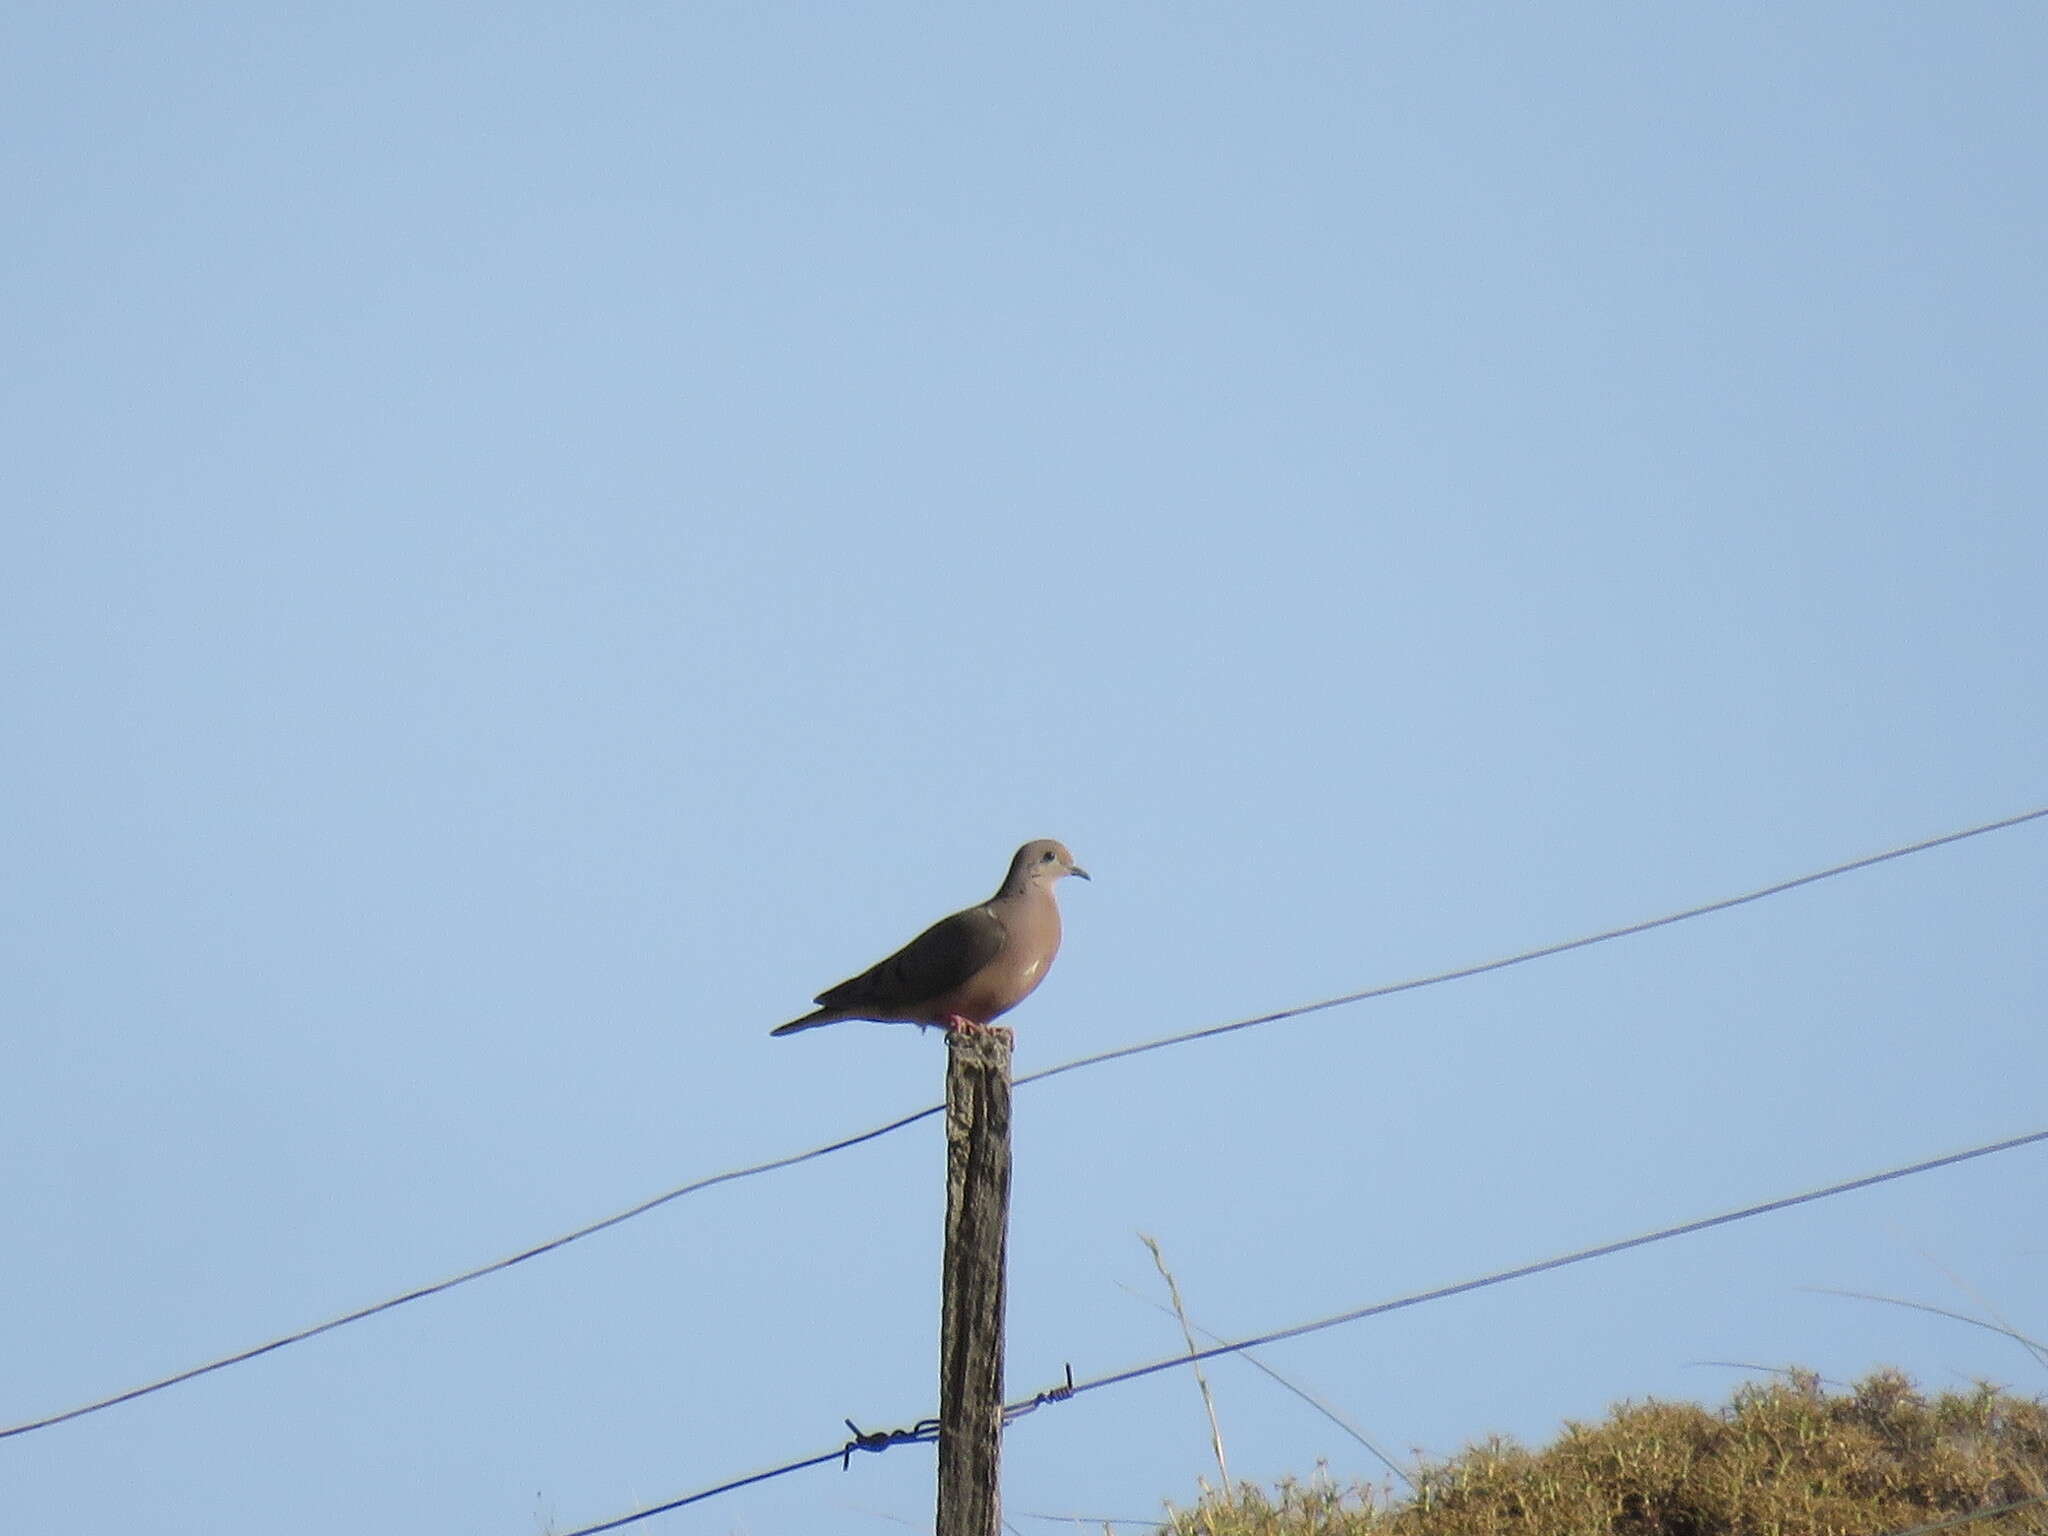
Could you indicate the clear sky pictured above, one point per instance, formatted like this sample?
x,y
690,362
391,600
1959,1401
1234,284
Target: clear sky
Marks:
x,y
537,537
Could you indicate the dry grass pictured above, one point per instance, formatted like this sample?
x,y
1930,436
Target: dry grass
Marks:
x,y
1787,1459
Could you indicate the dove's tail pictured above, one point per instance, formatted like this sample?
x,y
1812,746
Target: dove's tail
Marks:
x,y
809,1021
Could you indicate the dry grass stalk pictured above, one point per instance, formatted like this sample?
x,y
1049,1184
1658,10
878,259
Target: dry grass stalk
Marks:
x,y
1187,1332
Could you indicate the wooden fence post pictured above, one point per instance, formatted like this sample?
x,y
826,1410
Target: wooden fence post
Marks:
x,y
972,1283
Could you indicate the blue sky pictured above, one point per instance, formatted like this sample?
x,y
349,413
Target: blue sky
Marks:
x,y
538,538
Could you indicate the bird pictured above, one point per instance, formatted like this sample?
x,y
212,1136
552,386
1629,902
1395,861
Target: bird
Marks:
x,y
967,970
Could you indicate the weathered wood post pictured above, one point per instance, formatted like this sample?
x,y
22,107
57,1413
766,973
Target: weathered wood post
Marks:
x,y
972,1282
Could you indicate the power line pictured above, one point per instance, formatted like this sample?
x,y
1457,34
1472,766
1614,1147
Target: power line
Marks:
x,y
927,1429
733,1175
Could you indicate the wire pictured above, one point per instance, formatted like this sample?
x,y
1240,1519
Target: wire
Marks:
x,y
731,1175
703,1494
1544,953
466,1276
1975,1514
927,1429
1303,1393
1562,1261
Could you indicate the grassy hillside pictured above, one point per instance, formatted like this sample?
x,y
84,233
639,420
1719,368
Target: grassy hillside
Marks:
x,y
1789,1459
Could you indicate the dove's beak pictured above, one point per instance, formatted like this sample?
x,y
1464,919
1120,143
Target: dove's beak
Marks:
x,y
1075,869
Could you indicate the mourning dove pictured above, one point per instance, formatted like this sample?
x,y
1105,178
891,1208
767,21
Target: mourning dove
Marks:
x,y
967,969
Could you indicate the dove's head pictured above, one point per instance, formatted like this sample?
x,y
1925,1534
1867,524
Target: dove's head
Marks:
x,y
1041,863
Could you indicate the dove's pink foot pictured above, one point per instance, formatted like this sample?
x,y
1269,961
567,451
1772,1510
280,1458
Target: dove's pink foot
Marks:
x,y
957,1024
